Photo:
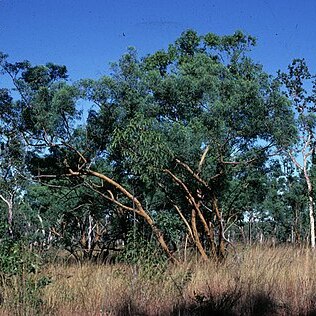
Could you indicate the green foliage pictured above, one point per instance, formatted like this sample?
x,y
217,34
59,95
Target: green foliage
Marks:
x,y
171,225
202,111
143,146
14,260
20,271
143,254
40,76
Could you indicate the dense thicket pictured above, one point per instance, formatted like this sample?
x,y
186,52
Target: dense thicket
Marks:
x,y
192,147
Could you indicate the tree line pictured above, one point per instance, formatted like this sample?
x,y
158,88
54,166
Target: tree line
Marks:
x,y
191,147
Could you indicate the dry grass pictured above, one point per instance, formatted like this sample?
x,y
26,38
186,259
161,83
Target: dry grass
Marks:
x,y
260,281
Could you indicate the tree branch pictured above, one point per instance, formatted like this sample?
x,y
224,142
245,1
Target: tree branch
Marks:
x,y
203,158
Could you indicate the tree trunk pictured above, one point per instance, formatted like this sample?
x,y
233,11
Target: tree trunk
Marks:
x,y
311,219
198,243
310,207
9,202
10,217
138,209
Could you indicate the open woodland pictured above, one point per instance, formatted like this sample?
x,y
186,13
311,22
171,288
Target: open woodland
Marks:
x,y
180,183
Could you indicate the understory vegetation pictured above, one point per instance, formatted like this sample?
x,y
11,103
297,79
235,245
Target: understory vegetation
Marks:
x,y
257,281
181,182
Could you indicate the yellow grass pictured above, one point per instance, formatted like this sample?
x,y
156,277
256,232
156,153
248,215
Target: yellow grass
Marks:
x,y
257,281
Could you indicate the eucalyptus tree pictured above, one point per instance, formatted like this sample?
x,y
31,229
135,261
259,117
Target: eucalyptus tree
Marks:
x,y
223,117
281,213
176,132
12,156
300,89
55,145
187,123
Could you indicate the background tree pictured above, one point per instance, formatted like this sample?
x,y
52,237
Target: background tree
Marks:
x,y
12,156
296,81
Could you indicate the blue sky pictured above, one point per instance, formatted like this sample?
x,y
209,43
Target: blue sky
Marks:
x,y
86,35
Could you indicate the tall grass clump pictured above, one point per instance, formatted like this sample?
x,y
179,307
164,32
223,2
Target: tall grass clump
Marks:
x,y
21,282
260,280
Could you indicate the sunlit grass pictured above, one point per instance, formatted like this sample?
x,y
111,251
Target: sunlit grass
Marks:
x,y
257,281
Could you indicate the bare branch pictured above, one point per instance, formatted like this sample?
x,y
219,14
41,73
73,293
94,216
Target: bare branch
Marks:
x,y
7,201
85,161
203,158
193,202
185,188
196,175
111,198
184,221
295,161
